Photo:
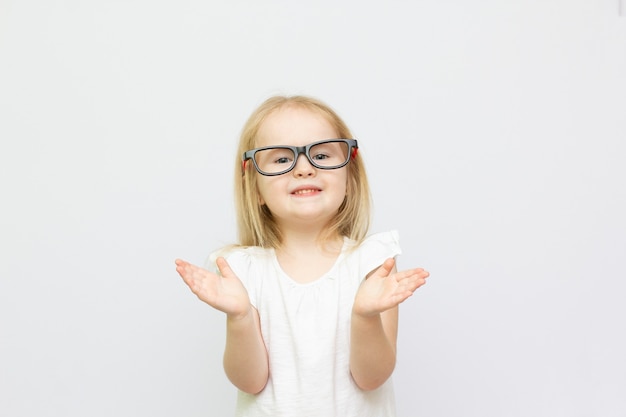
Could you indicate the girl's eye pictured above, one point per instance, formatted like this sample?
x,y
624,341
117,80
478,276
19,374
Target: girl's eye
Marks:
x,y
320,156
283,160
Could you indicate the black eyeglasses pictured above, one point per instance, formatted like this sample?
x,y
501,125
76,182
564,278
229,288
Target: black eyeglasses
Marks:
x,y
278,160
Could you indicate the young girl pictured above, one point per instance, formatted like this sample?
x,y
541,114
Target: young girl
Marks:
x,y
311,303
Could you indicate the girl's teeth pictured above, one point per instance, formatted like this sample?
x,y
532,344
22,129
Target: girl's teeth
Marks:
x,y
304,191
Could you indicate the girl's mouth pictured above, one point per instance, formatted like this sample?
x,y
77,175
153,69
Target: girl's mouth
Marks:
x,y
305,191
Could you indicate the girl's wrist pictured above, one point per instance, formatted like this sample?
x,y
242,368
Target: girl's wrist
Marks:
x,y
238,317
374,315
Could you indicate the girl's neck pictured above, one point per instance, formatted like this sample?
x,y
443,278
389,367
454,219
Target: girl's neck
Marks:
x,y
302,235
305,257
303,240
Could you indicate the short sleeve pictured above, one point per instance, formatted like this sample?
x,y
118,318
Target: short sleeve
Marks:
x,y
240,261
376,248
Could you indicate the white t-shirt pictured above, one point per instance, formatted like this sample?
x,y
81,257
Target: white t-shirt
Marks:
x,y
306,329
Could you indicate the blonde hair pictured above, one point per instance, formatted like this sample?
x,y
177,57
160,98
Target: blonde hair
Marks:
x,y
255,223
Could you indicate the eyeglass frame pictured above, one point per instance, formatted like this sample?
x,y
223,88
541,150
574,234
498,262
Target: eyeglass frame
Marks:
x,y
297,150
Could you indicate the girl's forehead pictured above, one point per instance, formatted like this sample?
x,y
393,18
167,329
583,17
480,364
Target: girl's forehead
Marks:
x,y
295,126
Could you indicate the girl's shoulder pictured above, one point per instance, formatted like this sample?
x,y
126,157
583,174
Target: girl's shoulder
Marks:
x,y
389,239
374,249
238,255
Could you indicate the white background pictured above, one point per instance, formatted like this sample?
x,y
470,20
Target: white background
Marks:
x,y
493,132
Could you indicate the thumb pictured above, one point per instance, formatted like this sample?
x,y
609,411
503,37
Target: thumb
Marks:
x,y
386,268
225,269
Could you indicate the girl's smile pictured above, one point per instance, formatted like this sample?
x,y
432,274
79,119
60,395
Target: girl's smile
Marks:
x,y
306,191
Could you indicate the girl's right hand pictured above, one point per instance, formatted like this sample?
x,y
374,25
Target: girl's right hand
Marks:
x,y
225,293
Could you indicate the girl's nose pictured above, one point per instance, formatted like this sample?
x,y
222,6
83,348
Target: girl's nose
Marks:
x,y
303,167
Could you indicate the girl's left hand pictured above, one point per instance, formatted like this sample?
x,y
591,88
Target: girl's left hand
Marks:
x,y
385,288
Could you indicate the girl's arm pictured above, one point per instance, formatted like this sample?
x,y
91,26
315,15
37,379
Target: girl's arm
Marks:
x,y
374,325
245,356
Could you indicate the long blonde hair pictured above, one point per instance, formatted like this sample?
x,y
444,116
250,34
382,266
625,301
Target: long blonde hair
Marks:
x,y
255,223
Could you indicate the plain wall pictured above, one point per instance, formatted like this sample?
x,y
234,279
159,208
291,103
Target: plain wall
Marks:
x,y
493,132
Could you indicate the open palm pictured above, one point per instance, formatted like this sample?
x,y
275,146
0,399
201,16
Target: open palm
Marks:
x,y
225,293
385,288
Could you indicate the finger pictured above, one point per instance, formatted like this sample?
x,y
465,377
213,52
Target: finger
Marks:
x,y
186,272
411,284
400,297
224,268
389,264
196,278
386,268
180,263
181,266
189,272
422,272
419,272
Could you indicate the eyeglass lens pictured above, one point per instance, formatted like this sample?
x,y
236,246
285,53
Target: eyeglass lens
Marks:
x,y
326,155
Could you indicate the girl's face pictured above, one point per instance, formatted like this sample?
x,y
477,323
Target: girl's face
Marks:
x,y
306,196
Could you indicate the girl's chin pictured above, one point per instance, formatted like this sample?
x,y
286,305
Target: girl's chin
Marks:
x,y
304,218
